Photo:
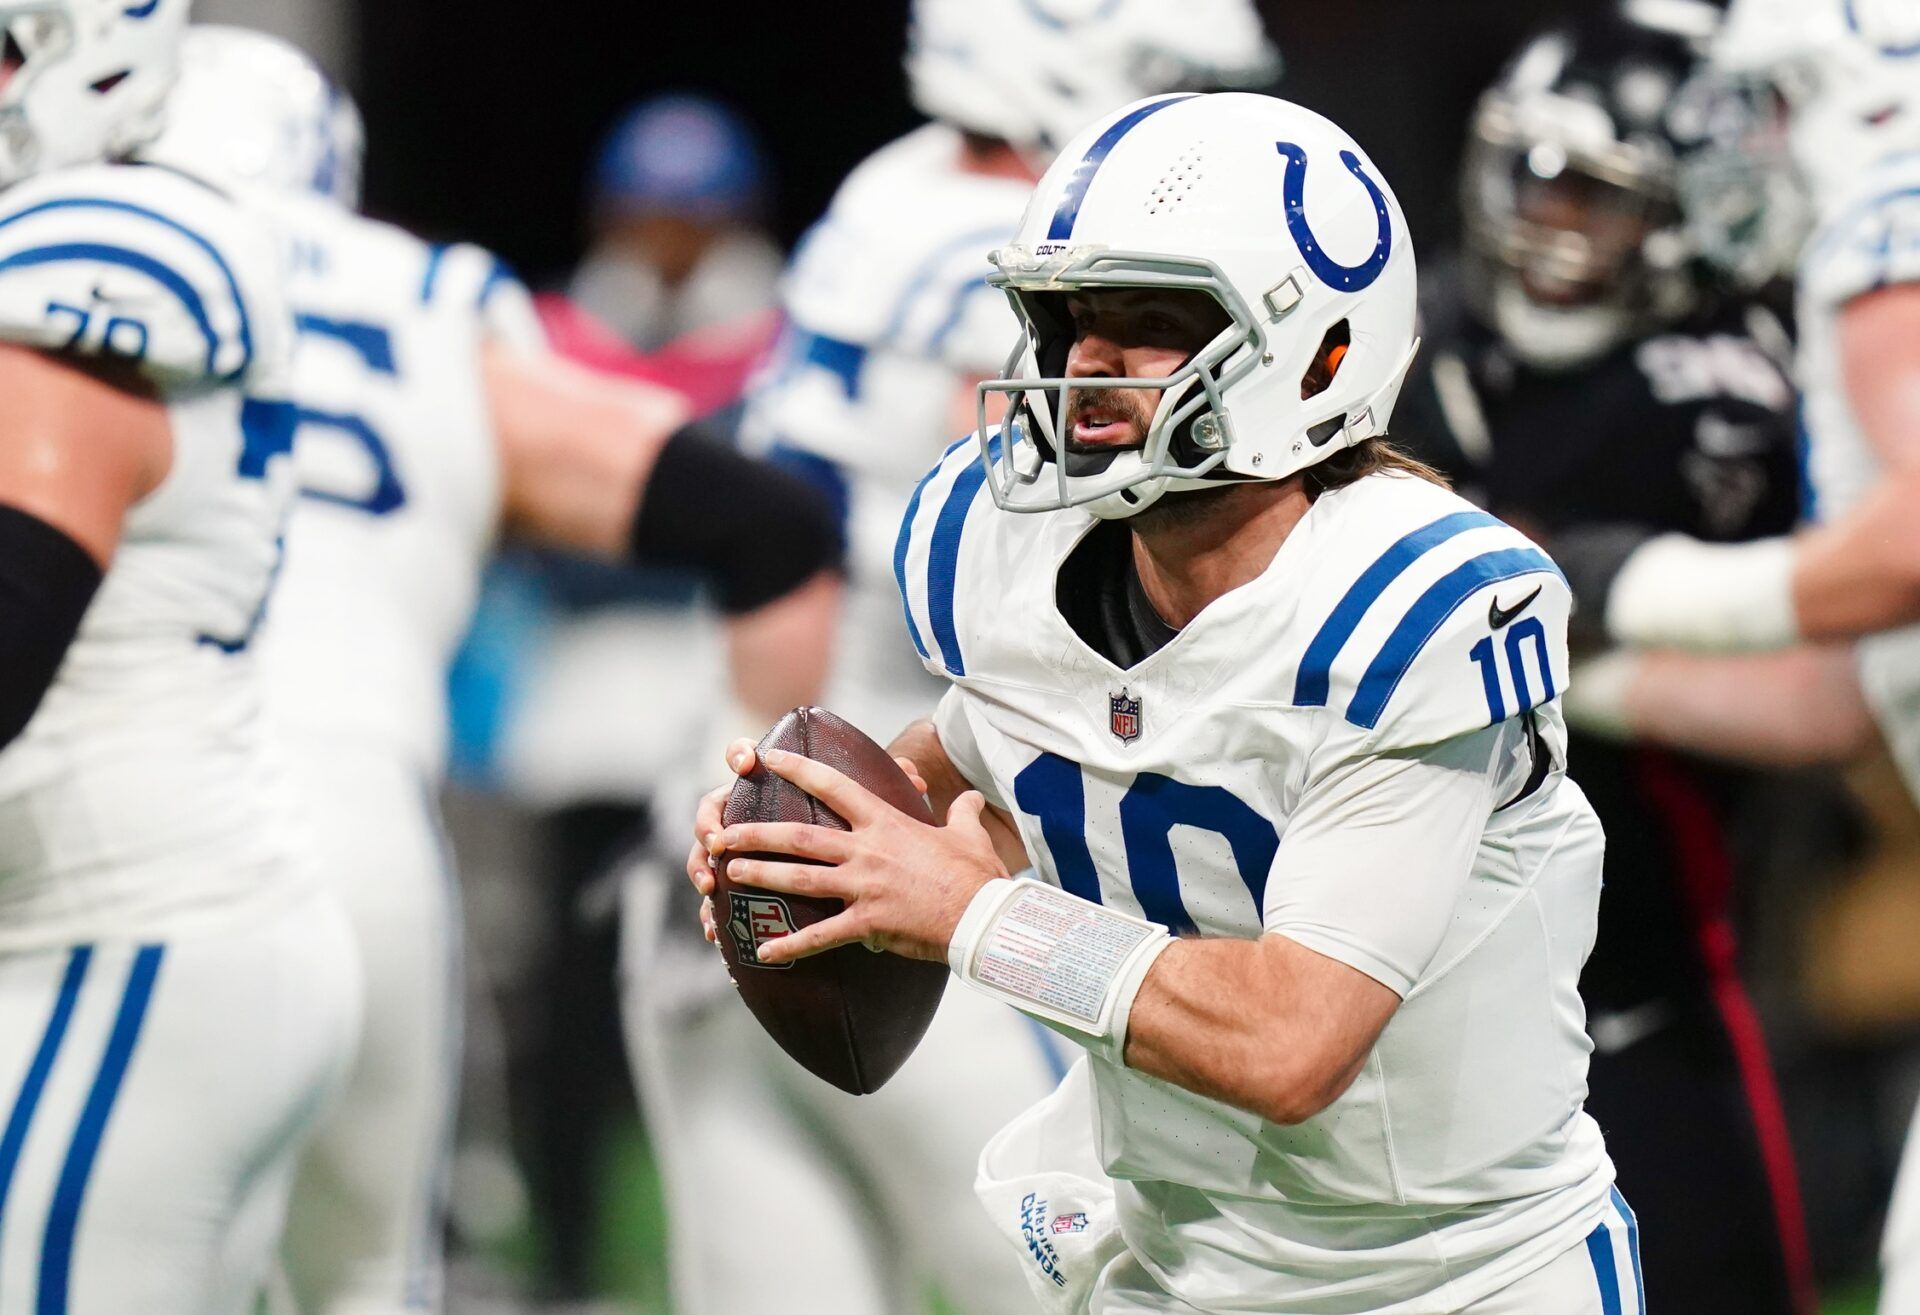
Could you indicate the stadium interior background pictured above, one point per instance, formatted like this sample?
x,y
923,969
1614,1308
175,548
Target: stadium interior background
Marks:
x,y
483,116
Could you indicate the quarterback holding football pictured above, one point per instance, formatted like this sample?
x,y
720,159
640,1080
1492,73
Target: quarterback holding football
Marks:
x,y
1252,765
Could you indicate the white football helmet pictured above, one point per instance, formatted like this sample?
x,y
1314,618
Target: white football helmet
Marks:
x,y
254,110
1273,211
1034,72
1849,71
82,80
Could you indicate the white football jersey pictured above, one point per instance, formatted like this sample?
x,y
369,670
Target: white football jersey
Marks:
x,y
399,476
1213,788
888,312
135,799
1868,239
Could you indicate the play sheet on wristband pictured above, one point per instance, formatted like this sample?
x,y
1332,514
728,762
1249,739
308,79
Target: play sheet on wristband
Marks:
x,y
1058,953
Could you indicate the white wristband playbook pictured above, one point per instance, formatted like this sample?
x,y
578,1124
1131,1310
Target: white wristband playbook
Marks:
x,y
1063,959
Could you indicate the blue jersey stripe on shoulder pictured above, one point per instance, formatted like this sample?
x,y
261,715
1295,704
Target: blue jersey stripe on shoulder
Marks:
x,y
943,558
1425,618
134,260
842,359
980,240
1839,230
1310,686
904,542
373,344
213,253
430,277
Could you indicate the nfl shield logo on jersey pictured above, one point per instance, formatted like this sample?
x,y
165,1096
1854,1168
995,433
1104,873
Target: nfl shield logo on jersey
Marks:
x,y
752,921
1125,717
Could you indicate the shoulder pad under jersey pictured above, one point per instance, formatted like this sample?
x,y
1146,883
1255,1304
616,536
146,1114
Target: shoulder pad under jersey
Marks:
x,y
146,265
1871,240
1427,618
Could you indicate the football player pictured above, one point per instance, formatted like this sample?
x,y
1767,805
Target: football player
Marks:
x,y
429,422
178,996
1846,73
892,327
1605,377
1274,716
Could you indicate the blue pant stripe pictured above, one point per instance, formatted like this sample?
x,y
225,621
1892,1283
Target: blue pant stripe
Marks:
x,y
63,1218
1605,1272
1633,1247
15,1137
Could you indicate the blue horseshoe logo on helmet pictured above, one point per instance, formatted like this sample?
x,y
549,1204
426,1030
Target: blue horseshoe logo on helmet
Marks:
x,y
1347,278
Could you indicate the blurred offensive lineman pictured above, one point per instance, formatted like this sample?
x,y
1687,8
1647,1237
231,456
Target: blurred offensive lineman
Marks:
x,y
892,327
178,998
426,422
1850,76
1275,717
1605,375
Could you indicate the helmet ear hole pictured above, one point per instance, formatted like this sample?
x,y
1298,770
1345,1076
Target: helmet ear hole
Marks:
x,y
1334,345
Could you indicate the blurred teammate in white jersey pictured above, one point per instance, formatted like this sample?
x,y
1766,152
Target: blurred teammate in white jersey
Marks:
x,y
1274,716
178,998
891,328
428,421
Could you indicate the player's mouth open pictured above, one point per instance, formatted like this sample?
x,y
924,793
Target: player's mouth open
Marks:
x,y
1102,426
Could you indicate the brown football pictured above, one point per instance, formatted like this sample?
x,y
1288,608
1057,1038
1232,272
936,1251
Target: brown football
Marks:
x,y
849,1016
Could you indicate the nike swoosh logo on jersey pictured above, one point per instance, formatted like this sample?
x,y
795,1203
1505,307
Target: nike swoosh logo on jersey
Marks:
x,y
116,300
1614,1031
1498,616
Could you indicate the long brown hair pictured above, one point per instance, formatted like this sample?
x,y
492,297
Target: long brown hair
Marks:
x,y
1370,456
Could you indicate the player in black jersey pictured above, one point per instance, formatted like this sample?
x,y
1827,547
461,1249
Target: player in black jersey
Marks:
x,y
1578,371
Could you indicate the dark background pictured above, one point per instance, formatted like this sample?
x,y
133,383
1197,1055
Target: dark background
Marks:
x,y
484,116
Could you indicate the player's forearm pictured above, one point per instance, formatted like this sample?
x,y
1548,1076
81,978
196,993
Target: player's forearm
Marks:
x,y
1795,708
576,447
778,653
1267,1026
1861,574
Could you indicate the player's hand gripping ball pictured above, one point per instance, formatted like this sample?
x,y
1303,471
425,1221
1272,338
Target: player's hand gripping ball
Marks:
x,y
850,1016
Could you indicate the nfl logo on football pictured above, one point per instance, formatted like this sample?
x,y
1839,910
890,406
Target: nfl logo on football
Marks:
x,y
1124,716
753,921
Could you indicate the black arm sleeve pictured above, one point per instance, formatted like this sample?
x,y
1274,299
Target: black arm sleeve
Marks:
x,y
46,582
754,530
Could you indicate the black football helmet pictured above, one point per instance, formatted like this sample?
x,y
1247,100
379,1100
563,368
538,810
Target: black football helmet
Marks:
x,y
1572,191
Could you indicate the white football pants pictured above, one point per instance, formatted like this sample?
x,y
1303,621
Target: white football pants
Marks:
x,y
1900,1248
785,1194
364,1234
157,1095
1600,1276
